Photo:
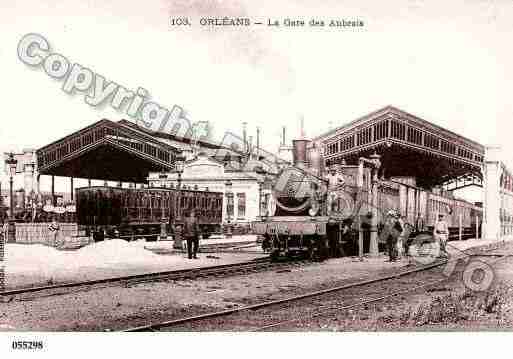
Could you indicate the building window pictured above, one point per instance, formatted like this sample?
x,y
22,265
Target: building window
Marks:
x,y
241,205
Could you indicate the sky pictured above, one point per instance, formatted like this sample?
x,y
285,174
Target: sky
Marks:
x,y
446,62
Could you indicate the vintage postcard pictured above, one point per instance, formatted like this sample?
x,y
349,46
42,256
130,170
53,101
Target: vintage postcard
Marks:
x,y
271,169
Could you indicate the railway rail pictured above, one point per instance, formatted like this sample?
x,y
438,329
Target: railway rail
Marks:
x,y
236,247
324,310
257,265
206,317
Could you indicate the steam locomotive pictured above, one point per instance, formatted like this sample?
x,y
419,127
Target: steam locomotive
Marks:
x,y
301,218
131,213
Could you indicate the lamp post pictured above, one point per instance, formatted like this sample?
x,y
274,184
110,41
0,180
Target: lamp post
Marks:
x,y
229,207
179,169
178,240
11,163
267,188
260,180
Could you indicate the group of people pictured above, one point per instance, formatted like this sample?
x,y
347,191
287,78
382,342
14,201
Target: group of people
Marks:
x,y
396,235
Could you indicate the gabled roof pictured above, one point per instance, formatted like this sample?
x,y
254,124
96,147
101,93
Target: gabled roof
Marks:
x,y
408,145
120,124
117,150
391,110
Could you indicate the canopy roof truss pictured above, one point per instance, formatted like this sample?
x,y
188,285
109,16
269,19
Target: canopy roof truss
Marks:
x,y
409,146
106,150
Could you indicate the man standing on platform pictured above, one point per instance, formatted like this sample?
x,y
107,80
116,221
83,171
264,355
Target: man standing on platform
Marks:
x,y
191,233
419,223
391,233
402,243
441,234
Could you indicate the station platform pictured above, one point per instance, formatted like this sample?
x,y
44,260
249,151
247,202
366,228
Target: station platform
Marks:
x,y
455,246
37,264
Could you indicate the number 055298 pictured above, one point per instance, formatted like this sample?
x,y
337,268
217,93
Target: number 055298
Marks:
x,y
27,345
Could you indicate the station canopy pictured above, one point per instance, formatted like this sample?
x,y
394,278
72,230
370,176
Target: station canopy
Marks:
x,y
116,151
409,147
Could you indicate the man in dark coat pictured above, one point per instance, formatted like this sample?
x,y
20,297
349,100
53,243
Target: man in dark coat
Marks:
x,y
191,234
391,232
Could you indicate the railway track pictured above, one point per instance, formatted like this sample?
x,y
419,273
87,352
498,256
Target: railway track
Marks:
x,y
231,318
257,265
235,247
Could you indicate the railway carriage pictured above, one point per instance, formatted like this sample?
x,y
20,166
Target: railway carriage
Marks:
x,y
141,213
415,203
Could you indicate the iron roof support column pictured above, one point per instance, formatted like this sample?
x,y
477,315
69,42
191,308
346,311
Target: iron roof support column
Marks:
x,y
71,187
54,200
375,163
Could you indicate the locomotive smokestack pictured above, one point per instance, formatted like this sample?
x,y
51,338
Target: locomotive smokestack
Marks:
x,y
299,152
299,148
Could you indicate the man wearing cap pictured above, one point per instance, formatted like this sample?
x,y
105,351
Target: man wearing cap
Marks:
x,y
441,233
191,234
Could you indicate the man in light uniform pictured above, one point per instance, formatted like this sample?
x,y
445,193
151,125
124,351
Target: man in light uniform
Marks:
x,y
441,233
402,240
335,183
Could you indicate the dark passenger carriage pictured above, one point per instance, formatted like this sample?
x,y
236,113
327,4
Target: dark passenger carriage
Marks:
x,y
131,213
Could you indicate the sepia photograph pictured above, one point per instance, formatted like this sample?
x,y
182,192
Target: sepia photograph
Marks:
x,y
215,175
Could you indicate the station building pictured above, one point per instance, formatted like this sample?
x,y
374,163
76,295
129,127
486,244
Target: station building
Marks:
x,y
204,172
